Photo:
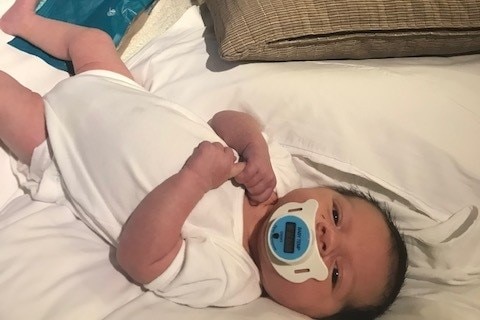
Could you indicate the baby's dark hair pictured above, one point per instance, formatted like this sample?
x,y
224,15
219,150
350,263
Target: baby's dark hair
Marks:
x,y
399,263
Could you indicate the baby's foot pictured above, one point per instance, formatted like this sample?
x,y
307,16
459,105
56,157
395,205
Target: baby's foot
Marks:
x,y
12,21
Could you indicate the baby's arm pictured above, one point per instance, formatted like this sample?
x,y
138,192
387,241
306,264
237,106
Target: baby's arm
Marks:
x,y
151,238
243,133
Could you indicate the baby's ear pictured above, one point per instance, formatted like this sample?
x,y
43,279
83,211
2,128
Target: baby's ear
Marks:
x,y
237,169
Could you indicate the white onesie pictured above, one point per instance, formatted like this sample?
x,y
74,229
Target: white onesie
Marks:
x,y
113,142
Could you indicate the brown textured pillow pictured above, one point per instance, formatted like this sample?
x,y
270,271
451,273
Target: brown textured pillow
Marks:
x,y
279,30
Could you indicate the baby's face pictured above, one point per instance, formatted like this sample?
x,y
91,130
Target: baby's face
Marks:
x,y
353,240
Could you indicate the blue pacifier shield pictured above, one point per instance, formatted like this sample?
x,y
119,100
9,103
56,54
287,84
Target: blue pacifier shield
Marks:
x,y
289,238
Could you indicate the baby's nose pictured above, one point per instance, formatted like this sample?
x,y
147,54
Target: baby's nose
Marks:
x,y
326,238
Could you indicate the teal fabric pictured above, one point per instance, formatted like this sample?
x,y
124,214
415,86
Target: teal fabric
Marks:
x,y
112,16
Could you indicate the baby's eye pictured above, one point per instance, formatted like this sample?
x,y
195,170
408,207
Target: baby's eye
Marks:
x,y
335,275
335,214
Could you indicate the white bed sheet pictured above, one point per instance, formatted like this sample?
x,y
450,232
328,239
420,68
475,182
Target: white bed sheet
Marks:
x,y
53,267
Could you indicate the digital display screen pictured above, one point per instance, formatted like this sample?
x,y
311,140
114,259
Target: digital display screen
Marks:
x,y
290,230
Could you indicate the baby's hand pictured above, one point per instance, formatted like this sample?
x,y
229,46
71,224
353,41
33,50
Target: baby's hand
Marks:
x,y
258,176
213,164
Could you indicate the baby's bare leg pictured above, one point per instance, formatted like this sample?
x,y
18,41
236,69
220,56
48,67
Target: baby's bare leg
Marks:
x,y
87,48
22,121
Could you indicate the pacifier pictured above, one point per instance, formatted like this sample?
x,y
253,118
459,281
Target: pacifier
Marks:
x,y
292,242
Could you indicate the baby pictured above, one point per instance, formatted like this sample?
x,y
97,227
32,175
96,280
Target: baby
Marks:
x,y
208,231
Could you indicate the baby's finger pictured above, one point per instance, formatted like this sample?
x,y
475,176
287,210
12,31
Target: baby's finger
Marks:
x,y
249,178
256,199
232,153
218,145
261,191
236,169
258,188
262,184
272,200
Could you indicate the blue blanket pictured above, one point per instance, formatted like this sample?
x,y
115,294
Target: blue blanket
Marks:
x,y
112,16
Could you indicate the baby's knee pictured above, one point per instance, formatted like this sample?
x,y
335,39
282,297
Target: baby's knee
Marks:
x,y
8,85
92,37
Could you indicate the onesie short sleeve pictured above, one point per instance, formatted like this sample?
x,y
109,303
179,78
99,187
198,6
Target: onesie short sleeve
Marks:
x,y
209,272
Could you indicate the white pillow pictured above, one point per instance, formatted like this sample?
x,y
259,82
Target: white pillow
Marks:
x,y
409,125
